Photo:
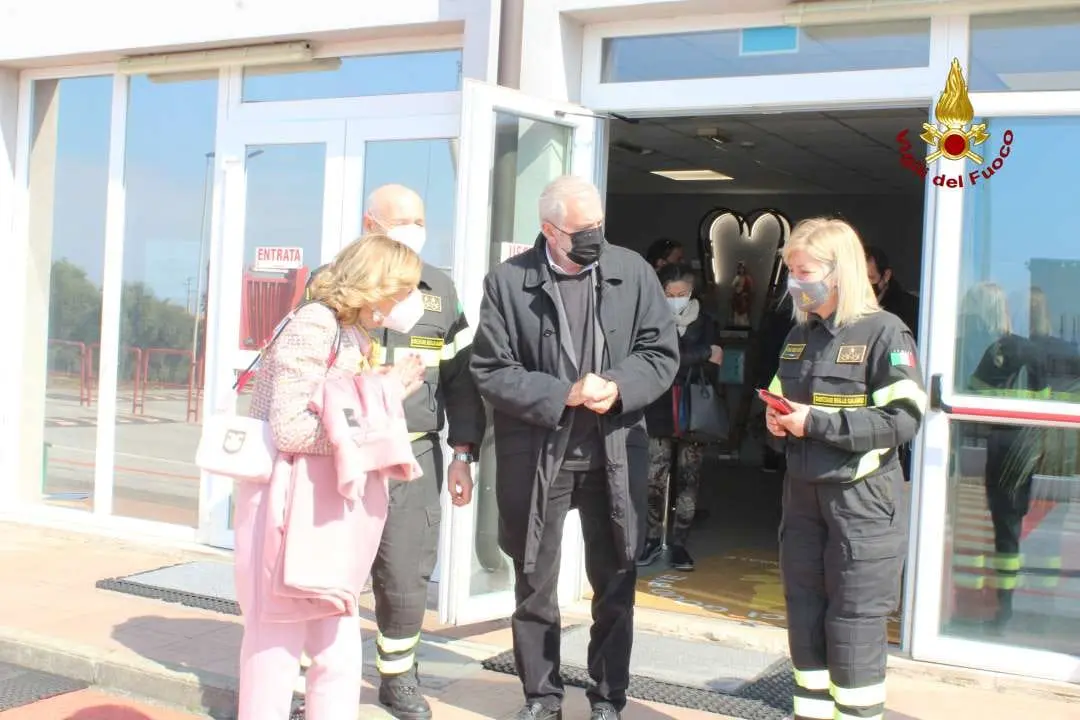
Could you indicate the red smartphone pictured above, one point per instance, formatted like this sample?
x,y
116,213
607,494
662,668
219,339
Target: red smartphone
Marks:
x,y
776,402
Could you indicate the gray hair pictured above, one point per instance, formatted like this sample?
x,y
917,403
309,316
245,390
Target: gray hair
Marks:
x,y
553,199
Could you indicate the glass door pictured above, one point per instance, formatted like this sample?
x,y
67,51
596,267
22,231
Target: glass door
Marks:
x,y
998,557
512,145
281,219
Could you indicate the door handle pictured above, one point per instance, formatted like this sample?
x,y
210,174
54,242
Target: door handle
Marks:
x,y
937,395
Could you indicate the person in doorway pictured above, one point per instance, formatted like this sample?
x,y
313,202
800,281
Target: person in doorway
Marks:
x,y
664,252
371,285
669,457
891,296
850,374
574,341
776,323
409,549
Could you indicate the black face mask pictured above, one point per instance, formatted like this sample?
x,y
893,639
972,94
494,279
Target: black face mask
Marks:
x,y
586,246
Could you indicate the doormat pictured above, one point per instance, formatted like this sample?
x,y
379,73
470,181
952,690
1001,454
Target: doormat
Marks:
x,y
207,585
21,686
694,674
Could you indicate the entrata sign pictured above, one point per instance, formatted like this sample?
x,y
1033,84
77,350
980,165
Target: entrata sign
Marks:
x,y
954,137
278,259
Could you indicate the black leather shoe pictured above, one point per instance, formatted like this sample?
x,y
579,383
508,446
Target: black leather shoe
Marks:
x,y
538,711
604,711
400,694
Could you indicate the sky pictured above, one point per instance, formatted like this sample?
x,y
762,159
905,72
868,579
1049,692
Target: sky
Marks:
x,y
171,128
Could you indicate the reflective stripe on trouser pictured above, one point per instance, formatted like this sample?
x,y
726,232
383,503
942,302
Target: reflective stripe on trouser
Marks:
x,y
406,559
841,560
395,656
812,700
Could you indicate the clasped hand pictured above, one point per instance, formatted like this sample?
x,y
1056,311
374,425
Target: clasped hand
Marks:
x,y
409,370
594,392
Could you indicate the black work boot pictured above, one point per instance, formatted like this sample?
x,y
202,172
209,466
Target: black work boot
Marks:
x,y
400,694
535,710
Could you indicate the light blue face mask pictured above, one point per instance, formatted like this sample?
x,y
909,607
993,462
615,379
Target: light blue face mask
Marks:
x,y
808,295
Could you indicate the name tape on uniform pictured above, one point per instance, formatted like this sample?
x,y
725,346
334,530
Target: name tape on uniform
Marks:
x,y
838,401
792,351
851,354
426,343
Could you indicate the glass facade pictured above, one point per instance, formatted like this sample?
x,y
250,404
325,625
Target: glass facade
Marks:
x,y
1025,51
767,51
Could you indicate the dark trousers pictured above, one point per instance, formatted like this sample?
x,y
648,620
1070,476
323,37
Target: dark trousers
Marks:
x,y
405,561
841,558
536,621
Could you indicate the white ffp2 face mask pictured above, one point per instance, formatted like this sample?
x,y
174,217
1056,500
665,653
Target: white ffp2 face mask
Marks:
x,y
678,304
405,314
411,236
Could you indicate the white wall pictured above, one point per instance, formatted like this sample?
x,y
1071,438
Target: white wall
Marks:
x,y
893,222
9,386
29,30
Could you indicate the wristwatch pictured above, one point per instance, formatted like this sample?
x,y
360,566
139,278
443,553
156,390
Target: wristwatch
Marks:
x,y
465,457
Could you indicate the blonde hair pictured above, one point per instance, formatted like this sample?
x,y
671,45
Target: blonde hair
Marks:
x,y
366,271
986,302
835,243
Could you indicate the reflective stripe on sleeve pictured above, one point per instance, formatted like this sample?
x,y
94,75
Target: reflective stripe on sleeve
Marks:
x,y
901,390
462,340
775,386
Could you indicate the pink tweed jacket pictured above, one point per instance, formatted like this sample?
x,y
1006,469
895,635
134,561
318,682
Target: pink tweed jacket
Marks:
x,y
291,373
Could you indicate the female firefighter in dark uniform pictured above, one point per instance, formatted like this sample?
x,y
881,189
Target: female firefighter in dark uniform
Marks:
x,y
848,370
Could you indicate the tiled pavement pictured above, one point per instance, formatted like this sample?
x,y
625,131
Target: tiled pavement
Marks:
x,y
51,614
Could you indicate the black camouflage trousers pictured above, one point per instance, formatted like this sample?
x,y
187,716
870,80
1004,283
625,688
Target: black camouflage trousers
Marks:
x,y
682,462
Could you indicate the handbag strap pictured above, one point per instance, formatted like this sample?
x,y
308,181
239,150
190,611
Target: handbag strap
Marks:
x,y
249,372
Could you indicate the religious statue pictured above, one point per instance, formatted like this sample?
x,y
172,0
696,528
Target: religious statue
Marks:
x,y
742,292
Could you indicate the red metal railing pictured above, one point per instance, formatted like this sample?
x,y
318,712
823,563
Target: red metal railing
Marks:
x,y
265,301
82,364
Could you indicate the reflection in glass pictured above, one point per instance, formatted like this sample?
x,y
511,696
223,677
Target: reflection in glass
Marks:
x,y
1025,51
1012,570
430,168
283,228
68,173
528,155
167,168
362,76
767,51
1018,324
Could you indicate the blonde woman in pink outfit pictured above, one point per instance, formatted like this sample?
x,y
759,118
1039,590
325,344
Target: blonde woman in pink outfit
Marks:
x,y
371,284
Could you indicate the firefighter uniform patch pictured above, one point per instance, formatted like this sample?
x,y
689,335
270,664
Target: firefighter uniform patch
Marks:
x,y
792,351
432,303
851,354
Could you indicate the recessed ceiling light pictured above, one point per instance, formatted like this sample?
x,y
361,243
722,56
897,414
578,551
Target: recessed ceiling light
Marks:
x,y
687,175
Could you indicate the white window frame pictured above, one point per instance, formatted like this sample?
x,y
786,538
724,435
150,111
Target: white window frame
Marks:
x,y
932,484
404,111
852,89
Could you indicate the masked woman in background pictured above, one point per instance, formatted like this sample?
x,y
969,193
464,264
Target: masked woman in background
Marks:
x,y
671,458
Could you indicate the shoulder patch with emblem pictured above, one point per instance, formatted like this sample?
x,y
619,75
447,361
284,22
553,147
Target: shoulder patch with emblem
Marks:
x,y
432,303
851,354
902,358
792,351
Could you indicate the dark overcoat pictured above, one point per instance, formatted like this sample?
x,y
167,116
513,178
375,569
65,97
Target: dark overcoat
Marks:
x,y
517,368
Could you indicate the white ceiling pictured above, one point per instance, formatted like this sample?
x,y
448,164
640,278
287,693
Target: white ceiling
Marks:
x,y
838,152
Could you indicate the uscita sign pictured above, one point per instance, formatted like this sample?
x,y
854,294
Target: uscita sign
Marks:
x,y
278,259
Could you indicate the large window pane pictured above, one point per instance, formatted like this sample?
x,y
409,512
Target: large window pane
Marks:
x,y
167,168
430,168
1025,51
767,51
1019,322
1012,563
283,229
69,168
362,76
528,155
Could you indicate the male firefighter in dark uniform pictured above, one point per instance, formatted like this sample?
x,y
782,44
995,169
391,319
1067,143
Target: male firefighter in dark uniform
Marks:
x,y
409,548
849,374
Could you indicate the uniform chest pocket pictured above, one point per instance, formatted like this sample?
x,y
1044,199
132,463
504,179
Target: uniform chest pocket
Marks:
x,y
839,385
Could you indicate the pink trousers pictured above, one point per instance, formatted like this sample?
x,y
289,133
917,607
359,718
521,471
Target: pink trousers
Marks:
x,y
270,654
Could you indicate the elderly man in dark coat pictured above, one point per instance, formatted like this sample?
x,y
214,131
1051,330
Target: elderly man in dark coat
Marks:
x,y
574,340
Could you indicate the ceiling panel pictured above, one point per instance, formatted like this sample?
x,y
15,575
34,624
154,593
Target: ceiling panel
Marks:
x,y
823,152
